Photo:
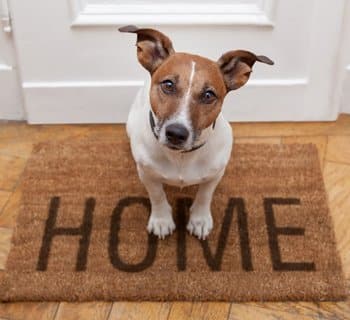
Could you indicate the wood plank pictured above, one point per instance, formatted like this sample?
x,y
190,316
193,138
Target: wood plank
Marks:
x,y
84,311
4,197
11,168
140,310
319,141
9,213
270,140
335,310
338,149
5,243
36,133
28,310
16,147
268,129
12,130
199,310
274,310
337,181
180,310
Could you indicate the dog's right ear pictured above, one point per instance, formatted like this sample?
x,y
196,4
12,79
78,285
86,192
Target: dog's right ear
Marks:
x,y
153,47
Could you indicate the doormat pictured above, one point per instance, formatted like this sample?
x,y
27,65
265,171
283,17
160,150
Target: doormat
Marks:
x,y
81,232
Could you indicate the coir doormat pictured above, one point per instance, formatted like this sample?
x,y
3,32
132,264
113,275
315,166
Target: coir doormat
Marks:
x,y
81,232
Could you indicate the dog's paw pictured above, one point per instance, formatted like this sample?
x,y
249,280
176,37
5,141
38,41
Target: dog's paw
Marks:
x,y
200,225
161,227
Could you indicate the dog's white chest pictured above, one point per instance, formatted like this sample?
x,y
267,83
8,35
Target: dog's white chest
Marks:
x,y
178,180
182,178
181,171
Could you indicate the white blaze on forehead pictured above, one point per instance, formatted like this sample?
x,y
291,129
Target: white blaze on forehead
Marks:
x,y
190,82
183,115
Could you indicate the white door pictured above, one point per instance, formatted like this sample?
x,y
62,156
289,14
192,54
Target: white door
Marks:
x,y
342,92
76,67
10,93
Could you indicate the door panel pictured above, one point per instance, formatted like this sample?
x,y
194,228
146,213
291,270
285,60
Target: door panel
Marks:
x,y
10,93
76,66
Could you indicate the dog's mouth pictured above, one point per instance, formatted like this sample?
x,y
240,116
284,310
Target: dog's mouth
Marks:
x,y
184,148
174,146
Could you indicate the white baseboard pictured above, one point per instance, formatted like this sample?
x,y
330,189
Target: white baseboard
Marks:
x,y
109,102
79,102
345,99
10,97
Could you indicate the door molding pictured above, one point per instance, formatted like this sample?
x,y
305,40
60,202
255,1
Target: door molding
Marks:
x,y
253,12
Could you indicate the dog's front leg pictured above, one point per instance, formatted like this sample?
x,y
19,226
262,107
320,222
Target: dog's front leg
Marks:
x,y
201,221
160,222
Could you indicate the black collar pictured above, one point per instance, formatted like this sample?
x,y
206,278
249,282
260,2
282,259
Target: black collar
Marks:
x,y
152,123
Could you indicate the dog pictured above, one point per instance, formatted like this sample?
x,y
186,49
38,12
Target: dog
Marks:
x,y
177,132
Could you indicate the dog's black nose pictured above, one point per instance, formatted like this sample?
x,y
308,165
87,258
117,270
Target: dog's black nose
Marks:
x,y
176,133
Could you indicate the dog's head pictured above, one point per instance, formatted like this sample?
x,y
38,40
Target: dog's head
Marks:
x,y
187,91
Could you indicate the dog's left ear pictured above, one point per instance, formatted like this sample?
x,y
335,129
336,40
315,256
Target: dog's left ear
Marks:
x,y
236,67
153,47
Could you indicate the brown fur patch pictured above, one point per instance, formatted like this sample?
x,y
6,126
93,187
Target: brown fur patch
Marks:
x,y
236,66
153,47
178,69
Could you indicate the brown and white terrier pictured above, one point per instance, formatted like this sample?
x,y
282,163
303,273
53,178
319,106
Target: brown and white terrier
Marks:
x,y
177,133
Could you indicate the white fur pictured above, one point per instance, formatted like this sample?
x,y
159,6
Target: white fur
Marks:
x,y
157,164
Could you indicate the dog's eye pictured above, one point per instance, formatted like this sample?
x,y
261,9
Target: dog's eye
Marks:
x,y
168,86
208,97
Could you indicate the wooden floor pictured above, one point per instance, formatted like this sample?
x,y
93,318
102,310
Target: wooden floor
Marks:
x,y
333,142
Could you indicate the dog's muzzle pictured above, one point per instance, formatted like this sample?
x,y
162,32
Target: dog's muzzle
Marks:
x,y
176,134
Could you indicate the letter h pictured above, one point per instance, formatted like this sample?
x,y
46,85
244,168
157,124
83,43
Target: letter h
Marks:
x,y
51,231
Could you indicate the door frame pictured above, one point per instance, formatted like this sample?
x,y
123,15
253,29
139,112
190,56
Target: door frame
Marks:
x,y
308,97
